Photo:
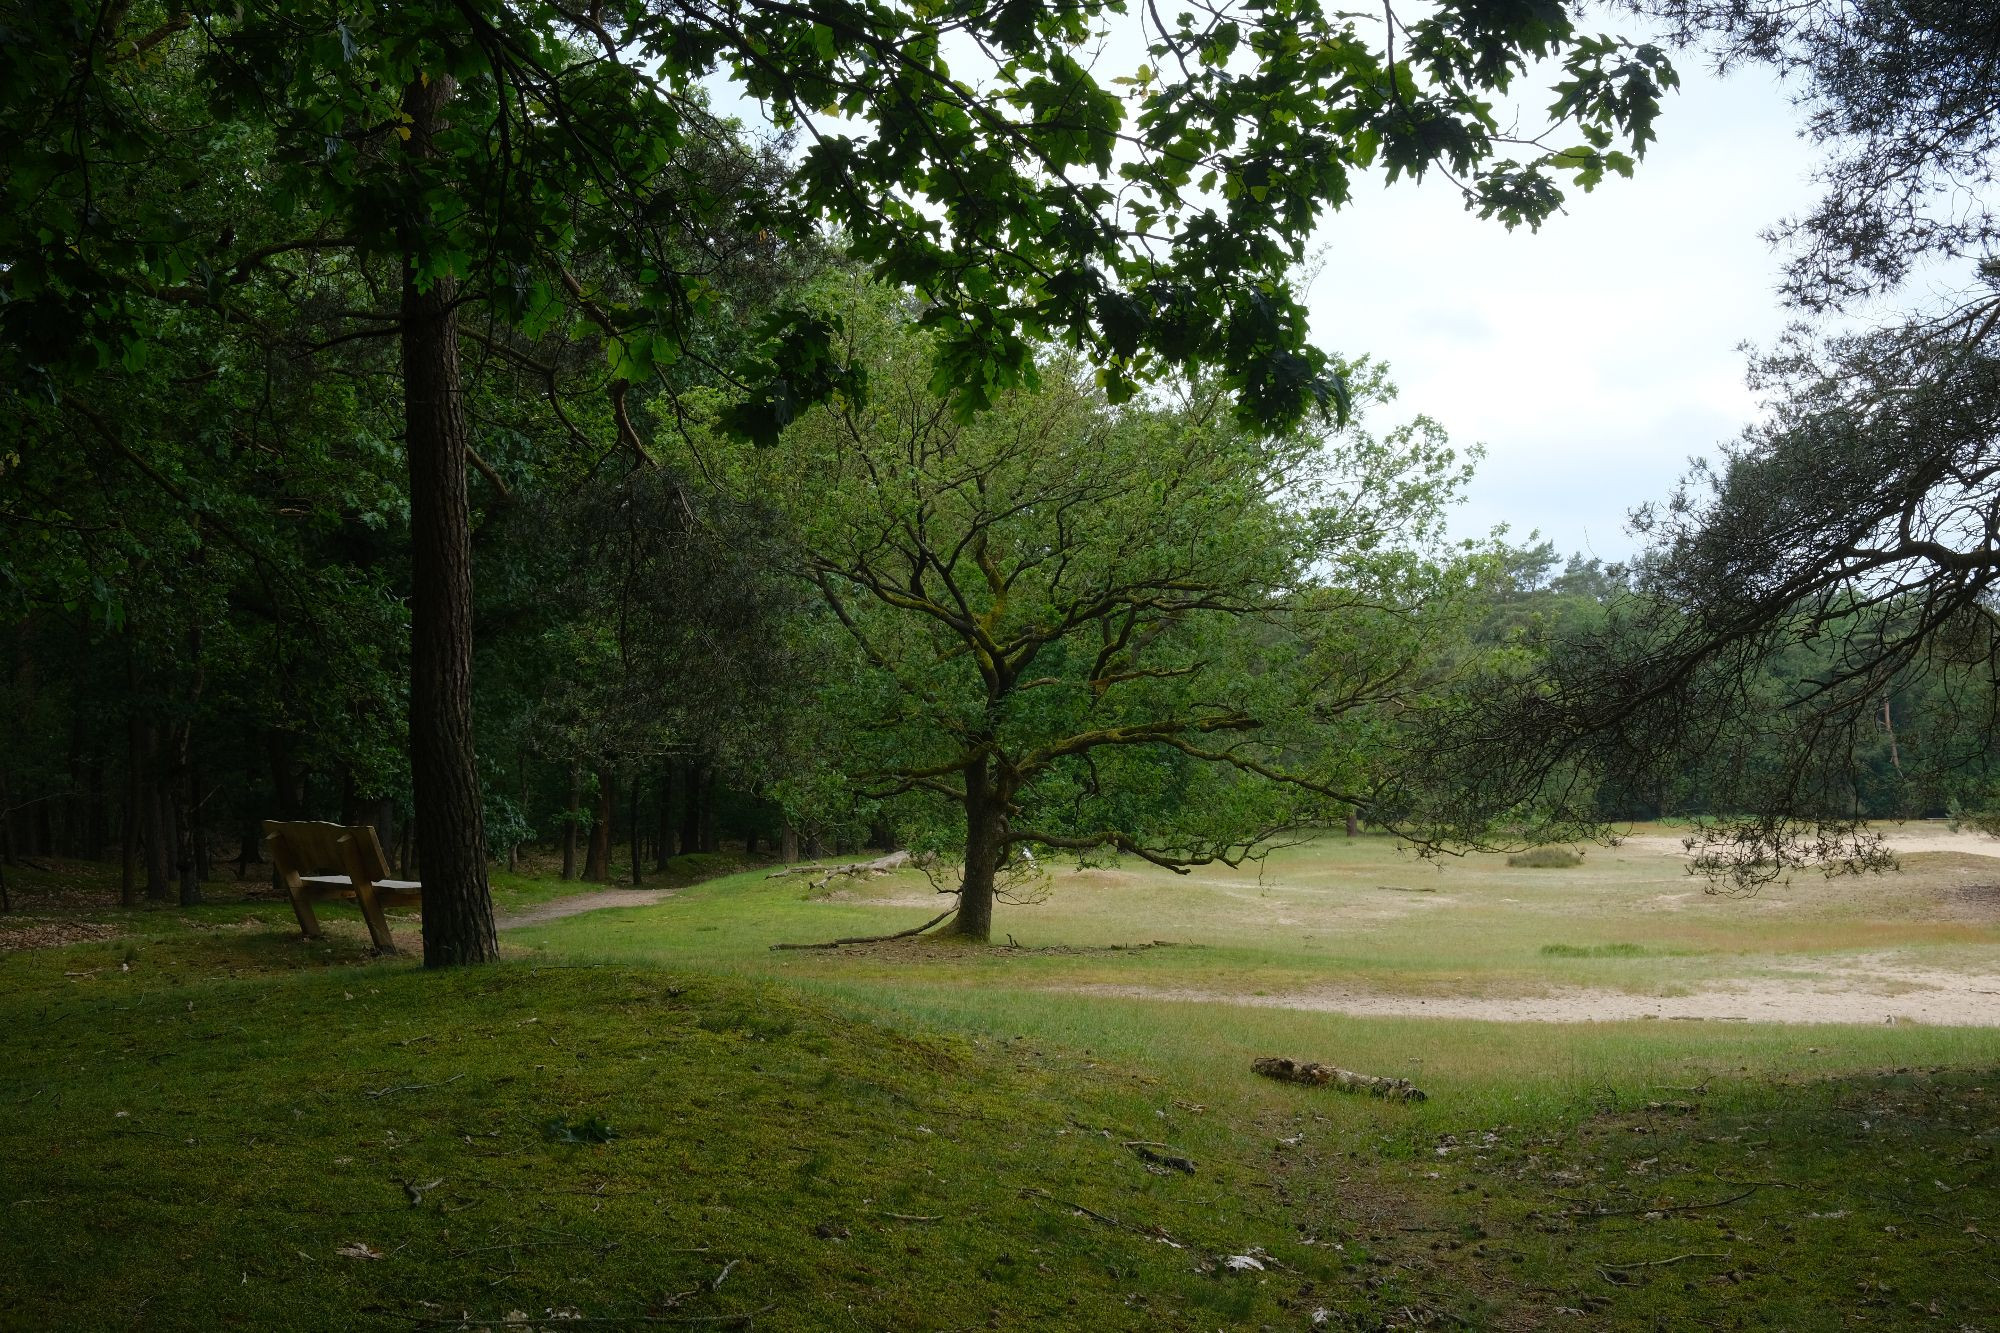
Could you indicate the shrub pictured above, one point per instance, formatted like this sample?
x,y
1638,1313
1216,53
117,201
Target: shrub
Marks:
x,y
1545,858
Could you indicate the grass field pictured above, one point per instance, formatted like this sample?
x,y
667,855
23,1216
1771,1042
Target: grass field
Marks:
x,y
211,1123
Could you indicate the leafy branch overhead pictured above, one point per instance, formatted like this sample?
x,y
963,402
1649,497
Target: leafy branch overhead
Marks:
x,y
1149,221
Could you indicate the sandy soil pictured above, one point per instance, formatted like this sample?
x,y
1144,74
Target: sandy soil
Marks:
x,y
1870,989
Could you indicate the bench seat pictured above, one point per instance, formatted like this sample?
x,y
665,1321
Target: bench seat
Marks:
x,y
316,862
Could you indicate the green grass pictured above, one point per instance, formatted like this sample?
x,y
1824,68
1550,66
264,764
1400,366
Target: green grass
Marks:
x,y
774,1110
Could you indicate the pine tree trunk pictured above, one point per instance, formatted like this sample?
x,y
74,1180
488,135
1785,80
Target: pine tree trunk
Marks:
x,y
597,860
451,832
692,788
983,807
570,818
663,836
160,839
638,853
711,813
128,834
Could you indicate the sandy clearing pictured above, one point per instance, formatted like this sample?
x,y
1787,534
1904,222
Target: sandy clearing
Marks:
x,y
1870,989
1899,838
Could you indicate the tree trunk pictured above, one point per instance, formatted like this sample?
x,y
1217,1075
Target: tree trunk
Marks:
x,y
160,839
76,808
597,857
451,831
663,835
286,788
692,789
1353,825
788,844
8,855
711,813
983,807
98,836
128,835
248,852
638,852
190,835
570,820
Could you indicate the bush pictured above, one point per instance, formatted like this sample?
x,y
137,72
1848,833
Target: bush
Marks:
x,y
1545,858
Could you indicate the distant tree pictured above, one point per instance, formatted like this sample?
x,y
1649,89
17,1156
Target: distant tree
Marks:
x,y
1083,629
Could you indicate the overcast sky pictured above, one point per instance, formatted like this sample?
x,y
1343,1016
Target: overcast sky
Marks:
x,y
1593,358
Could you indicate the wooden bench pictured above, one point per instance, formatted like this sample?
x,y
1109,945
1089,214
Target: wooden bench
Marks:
x,y
317,862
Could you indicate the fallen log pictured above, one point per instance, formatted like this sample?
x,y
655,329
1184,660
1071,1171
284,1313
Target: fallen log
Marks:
x,y
881,865
1328,1076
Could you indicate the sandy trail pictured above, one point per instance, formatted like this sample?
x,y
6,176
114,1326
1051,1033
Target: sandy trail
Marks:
x,y
579,903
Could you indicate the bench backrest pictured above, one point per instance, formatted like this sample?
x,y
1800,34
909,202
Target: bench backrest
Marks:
x,y
311,848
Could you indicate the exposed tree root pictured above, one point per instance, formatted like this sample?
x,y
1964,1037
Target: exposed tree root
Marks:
x,y
874,939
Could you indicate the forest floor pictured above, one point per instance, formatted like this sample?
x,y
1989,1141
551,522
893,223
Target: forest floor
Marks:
x,y
209,1122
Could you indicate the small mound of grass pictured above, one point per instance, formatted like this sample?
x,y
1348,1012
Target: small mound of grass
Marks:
x,y
1546,858
1595,951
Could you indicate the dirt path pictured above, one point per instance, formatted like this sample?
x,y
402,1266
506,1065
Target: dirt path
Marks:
x,y
578,903
1872,991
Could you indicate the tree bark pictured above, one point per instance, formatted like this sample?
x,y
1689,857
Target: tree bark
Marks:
x,y
128,835
788,844
570,818
983,806
663,836
711,812
184,784
160,839
451,831
638,852
1353,825
692,788
597,861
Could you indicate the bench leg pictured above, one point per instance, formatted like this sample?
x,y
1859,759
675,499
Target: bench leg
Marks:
x,y
371,912
302,908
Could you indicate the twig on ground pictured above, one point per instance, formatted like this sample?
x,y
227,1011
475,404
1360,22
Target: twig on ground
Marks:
x,y
915,1217
1660,1263
1676,1208
410,1087
1034,1192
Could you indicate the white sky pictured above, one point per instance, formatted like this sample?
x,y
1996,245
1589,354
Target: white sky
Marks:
x,y
1593,358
